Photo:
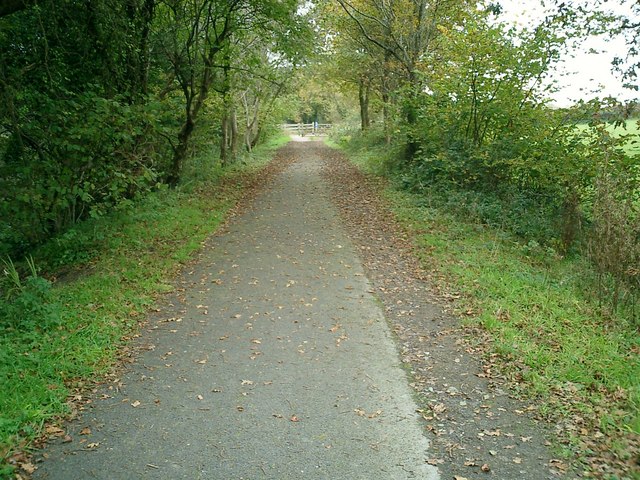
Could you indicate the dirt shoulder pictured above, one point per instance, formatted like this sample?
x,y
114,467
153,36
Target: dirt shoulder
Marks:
x,y
476,427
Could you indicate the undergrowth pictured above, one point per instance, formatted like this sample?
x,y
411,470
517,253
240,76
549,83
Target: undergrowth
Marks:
x,y
63,326
549,335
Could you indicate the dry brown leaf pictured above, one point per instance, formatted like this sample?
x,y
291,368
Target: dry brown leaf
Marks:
x,y
54,430
29,468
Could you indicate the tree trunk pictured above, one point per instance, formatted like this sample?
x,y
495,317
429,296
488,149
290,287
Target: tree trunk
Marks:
x,y
411,116
386,118
251,127
256,136
386,99
363,97
224,141
148,10
233,120
180,152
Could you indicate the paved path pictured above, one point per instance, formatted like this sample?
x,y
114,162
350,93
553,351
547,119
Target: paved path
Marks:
x,y
277,364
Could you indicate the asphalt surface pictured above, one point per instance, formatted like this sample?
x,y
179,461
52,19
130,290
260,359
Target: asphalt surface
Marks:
x,y
274,361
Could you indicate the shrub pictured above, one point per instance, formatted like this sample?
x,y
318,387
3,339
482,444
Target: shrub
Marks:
x,y
27,302
613,241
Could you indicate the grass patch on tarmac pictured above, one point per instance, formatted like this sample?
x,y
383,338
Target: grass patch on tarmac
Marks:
x,y
545,332
61,335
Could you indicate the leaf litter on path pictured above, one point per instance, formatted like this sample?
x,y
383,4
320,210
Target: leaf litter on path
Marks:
x,y
471,411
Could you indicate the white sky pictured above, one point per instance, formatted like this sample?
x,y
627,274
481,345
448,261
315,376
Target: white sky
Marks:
x,y
588,74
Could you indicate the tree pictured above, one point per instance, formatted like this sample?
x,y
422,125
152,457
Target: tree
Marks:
x,y
197,36
72,82
405,34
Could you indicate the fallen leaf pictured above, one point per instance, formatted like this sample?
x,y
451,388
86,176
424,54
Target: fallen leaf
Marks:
x,y
136,404
54,430
93,445
559,464
28,468
85,431
517,460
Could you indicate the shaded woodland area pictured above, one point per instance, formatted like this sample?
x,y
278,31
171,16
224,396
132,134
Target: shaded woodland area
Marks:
x,y
100,99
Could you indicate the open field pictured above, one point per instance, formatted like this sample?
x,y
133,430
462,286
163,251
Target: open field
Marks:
x,y
630,129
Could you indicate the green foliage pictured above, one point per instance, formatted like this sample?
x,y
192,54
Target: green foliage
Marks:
x,y
27,303
92,101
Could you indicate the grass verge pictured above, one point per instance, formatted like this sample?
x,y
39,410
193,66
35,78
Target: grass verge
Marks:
x,y
60,337
545,332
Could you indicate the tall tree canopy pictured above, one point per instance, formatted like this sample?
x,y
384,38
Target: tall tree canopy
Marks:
x,y
100,99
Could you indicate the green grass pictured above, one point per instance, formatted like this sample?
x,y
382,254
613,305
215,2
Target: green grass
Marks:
x,y
547,333
114,269
631,129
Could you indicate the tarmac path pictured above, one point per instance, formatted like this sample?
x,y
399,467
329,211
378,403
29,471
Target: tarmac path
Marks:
x,y
277,363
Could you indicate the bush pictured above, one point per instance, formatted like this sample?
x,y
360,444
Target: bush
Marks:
x,y
613,241
26,304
